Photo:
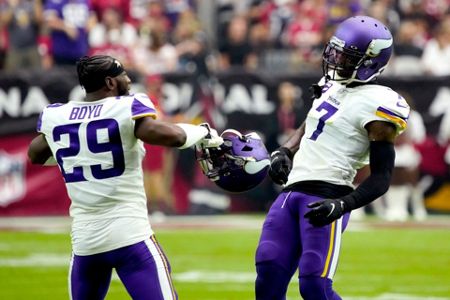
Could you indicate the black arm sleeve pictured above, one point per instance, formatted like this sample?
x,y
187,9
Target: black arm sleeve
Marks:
x,y
382,157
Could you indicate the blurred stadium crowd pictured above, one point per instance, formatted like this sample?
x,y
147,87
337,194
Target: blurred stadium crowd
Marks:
x,y
156,36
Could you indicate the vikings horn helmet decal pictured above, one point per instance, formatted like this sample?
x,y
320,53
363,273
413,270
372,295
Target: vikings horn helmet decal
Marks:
x,y
358,52
239,164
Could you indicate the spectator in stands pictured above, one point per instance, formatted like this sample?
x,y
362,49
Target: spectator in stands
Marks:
x,y
436,55
431,12
191,44
290,114
157,57
100,6
410,39
339,10
174,8
188,25
384,10
22,20
69,23
411,9
408,49
151,18
280,14
139,9
260,41
304,32
236,49
112,36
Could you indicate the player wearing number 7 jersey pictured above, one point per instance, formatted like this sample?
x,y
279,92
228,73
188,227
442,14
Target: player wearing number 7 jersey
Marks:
x,y
353,122
98,145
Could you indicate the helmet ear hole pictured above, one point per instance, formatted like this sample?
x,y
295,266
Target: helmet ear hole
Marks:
x,y
247,148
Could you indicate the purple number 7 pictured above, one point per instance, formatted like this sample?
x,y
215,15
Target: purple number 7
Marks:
x,y
330,110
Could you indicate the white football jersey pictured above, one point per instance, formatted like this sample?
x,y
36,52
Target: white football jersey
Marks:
x,y
101,162
336,144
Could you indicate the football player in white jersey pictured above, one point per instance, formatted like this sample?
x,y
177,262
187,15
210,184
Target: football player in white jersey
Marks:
x,y
98,146
353,122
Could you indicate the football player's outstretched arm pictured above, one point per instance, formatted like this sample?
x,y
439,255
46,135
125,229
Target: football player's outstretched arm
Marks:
x,y
159,133
39,151
382,156
281,158
179,135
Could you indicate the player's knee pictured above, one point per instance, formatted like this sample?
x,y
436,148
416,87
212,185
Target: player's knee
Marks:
x,y
267,251
311,263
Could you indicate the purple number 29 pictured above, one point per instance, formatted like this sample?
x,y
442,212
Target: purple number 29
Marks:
x,y
114,146
330,110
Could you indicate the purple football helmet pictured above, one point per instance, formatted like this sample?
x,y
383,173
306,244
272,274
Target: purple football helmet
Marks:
x,y
239,164
358,52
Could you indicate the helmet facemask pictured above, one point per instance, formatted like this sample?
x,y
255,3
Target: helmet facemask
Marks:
x,y
339,63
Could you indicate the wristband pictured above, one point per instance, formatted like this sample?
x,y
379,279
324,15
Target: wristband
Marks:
x,y
193,133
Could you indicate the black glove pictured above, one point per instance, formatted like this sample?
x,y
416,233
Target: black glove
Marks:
x,y
324,212
280,165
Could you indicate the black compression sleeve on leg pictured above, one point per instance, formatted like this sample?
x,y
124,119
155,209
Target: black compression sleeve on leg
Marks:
x,y
382,157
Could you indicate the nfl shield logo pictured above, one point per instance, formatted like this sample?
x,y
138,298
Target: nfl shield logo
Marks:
x,y
12,178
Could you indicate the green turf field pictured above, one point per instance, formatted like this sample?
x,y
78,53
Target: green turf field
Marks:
x,y
217,264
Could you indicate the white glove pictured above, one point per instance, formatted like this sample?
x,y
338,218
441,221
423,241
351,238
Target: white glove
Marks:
x,y
212,139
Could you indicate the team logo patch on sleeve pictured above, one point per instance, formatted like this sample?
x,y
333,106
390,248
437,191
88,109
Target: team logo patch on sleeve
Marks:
x,y
391,116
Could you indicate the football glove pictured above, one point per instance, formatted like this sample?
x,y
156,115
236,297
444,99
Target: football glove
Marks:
x,y
324,212
212,139
280,165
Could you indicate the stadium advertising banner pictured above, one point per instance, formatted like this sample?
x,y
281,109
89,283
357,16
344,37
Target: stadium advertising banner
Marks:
x,y
236,99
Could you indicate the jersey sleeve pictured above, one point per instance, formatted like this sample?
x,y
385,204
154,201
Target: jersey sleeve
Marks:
x,y
142,106
41,124
383,104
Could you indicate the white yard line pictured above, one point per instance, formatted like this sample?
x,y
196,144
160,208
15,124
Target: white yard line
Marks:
x,y
37,260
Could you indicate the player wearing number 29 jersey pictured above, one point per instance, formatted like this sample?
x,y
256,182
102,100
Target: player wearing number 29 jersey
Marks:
x,y
98,146
353,122
100,159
